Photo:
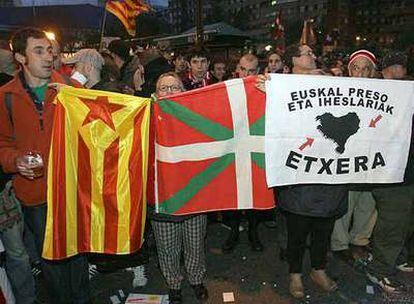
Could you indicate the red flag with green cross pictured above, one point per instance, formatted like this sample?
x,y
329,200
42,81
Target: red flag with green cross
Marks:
x,y
209,150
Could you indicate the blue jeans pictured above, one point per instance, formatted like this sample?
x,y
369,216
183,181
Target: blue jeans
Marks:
x,y
18,265
67,281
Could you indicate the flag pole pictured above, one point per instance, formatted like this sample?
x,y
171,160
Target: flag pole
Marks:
x,y
199,25
102,27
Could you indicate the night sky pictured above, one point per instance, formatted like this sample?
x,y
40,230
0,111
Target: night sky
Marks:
x,y
55,2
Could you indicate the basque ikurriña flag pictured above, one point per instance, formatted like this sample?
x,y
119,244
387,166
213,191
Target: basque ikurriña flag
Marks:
x,y
97,174
210,150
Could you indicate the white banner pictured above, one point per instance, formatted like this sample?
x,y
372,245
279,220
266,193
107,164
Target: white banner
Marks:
x,y
334,130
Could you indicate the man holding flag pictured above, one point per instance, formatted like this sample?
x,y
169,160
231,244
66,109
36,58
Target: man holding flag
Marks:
x,y
26,113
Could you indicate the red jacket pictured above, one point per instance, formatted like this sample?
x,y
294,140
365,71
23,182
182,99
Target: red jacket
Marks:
x,y
28,136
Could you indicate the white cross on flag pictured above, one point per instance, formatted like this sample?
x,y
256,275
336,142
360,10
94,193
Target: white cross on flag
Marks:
x,y
210,150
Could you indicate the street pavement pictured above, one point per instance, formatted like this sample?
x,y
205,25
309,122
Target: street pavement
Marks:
x,y
253,278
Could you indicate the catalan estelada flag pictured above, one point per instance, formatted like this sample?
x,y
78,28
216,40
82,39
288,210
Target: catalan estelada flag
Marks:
x,y
127,11
210,150
97,174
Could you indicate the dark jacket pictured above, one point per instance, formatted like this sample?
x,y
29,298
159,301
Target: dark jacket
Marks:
x,y
128,70
314,200
109,86
190,83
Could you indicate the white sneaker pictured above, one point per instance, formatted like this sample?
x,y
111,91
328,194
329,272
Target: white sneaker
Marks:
x,y
406,267
93,271
140,278
388,284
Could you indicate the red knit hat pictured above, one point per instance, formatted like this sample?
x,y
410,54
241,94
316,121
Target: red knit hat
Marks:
x,y
362,53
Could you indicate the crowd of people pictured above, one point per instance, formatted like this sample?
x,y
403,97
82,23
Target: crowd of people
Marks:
x,y
369,224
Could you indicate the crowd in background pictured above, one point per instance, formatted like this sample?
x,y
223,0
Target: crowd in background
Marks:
x,y
346,220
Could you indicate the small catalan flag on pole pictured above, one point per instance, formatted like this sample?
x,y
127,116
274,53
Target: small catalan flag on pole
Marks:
x,y
127,11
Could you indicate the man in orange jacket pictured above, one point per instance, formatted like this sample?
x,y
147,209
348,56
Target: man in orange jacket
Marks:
x,y
26,118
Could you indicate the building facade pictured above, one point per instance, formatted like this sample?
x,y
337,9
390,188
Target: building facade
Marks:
x,y
255,17
181,14
7,3
382,23
348,21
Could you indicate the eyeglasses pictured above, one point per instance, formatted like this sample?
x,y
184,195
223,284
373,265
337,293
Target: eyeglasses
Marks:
x,y
173,88
308,53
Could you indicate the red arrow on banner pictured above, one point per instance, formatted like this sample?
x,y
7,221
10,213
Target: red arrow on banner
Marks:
x,y
309,142
373,122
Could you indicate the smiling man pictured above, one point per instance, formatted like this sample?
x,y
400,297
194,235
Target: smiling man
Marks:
x,y
26,116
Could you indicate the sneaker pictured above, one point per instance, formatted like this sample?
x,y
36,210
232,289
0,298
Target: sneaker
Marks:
x,y
93,271
388,284
406,267
140,278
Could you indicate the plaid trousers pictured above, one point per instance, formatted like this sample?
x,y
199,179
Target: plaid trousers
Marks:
x,y
174,238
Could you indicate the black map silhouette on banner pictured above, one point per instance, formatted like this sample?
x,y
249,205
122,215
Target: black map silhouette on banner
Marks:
x,y
338,129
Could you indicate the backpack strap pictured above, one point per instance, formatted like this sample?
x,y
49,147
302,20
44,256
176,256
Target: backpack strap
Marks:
x,y
8,103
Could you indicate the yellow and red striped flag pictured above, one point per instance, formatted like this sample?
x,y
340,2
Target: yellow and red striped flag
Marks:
x,y
127,11
97,174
